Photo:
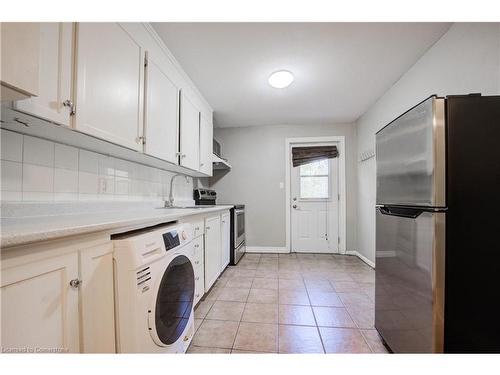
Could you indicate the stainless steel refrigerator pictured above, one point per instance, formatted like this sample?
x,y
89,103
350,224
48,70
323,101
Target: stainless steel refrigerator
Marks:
x,y
437,276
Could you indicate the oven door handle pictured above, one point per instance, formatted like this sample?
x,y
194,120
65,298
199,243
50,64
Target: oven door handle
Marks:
x,y
239,211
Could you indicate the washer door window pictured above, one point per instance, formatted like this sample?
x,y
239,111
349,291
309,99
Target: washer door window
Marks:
x,y
174,301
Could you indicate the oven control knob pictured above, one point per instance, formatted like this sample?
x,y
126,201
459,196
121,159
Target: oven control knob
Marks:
x,y
183,235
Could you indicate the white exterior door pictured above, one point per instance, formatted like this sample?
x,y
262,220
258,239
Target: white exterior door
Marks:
x,y
39,307
162,115
54,74
190,134
212,250
110,84
314,207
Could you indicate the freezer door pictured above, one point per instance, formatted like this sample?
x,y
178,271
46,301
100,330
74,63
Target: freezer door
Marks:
x,y
409,279
411,154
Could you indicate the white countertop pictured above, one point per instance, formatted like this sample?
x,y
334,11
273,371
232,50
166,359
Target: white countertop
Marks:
x,y
19,230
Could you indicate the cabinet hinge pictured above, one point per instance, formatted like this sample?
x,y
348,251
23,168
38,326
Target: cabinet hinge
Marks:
x,y
338,196
145,62
141,140
338,240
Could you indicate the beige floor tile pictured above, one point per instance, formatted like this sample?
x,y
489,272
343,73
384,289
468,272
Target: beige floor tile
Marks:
x,y
216,333
358,300
260,313
202,309
265,283
330,299
263,296
252,256
299,339
363,317
345,286
239,282
221,282
285,274
213,293
240,272
224,310
233,294
343,340
257,337
333,317
339,276
204,350
266,273
374,341
318,285
197,324
237,351
298,315
266,267
292,284
269,256
293,297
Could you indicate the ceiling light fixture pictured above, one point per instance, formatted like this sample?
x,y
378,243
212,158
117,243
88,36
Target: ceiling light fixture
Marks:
x,y
280,79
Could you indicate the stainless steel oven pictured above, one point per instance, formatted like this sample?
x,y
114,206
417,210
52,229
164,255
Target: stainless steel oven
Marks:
x,y
238,246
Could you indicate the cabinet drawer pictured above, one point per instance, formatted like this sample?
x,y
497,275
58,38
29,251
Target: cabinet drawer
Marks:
x,y
198,228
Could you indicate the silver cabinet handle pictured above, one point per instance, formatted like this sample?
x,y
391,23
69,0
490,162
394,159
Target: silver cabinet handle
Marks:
x,y
197,245
208,228
70,105
294,206
197,278
202,164
197,262
197,228
75,283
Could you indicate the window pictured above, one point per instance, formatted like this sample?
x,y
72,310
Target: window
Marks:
x,y
314,180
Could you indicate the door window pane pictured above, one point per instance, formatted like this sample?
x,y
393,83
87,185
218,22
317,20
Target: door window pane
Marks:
x,y
315,168
314,187
314,179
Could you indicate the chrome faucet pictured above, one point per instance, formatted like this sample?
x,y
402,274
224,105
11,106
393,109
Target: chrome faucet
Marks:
x,y
170,202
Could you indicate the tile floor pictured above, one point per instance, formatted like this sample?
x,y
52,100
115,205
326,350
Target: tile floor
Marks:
x,y
289,303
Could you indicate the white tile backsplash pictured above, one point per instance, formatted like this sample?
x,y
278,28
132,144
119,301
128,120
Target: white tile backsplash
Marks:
x,y
66,157
12,146
38,151
65,181
12,175
37,178
38,170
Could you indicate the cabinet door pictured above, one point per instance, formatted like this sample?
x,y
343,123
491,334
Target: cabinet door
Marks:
x,y
39,307
109,84
54,74
190,134
162,115
225,249
206,146
20,43
97,300
212,250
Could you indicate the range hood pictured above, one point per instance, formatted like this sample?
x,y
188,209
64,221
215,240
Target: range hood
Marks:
x,y
219,163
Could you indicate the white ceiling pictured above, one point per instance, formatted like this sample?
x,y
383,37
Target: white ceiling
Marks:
x,y
340,69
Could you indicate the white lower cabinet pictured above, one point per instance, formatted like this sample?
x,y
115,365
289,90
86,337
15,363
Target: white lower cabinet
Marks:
x,y
212,250
58,298
225,237
97,300
199,269
40,307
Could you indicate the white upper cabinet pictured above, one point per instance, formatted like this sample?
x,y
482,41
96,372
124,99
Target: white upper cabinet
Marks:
x,y
54,100
206,145
161,107
109,84
189,133
20,46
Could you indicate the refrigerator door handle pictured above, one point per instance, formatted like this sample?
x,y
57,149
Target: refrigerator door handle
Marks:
x,y
411,213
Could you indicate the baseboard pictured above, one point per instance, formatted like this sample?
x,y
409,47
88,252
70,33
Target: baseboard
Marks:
x,y
266,249
362,257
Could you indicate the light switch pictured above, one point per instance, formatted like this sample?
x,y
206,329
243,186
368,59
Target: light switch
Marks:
x,y
282,185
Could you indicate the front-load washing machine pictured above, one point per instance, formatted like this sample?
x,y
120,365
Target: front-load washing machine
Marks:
x,y
154,289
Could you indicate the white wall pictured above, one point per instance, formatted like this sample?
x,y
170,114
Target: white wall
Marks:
x,y
257,155
34,169
465,60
